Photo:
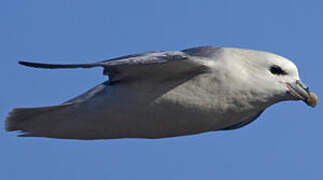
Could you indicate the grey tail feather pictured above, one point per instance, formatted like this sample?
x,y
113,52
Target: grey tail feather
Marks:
x,y
19,116
59,66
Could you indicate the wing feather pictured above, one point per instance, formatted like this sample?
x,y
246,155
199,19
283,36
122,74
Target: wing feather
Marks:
x,y
146,65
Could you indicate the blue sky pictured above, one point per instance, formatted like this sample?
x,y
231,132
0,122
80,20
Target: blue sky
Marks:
x,y
284,143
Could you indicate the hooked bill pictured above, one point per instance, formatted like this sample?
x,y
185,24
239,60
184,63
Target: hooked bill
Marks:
x,y
312,100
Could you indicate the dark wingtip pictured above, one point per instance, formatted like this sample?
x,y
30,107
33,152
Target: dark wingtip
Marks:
x,y
23,63
57,66
30,64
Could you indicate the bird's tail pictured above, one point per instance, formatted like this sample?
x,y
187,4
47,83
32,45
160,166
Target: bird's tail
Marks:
x,y
24,118
59,66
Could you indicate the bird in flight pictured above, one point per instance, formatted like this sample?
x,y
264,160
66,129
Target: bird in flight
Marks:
x,y
168,94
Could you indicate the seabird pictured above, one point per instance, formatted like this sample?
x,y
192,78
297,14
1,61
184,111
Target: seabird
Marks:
x,y
168,94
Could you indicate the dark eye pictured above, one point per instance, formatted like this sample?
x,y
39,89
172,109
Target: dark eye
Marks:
x,y
274,69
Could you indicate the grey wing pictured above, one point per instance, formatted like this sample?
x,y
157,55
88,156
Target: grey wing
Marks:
x,y
164,70
145,65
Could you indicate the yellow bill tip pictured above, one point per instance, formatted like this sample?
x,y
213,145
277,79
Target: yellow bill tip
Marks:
x,y
312,100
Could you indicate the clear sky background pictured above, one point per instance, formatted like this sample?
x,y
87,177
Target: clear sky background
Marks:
x,y
284,143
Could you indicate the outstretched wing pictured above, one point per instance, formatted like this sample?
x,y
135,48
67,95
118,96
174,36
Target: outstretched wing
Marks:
x,y
145,65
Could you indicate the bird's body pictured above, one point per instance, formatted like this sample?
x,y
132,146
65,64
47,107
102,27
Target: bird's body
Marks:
x,y
164,94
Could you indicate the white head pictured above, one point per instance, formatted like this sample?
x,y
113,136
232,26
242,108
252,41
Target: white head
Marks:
x,y
265,77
